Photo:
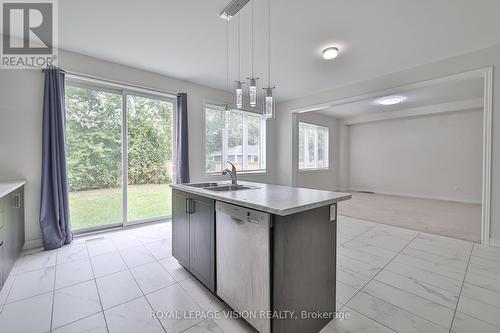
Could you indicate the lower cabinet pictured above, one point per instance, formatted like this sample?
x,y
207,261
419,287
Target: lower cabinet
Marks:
x,y
193,235
11,231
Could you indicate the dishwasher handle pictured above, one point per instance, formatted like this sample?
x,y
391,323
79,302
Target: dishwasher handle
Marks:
x,y
237,220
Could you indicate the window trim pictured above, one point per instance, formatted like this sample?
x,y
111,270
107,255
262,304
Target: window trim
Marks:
x,y
313,169
263,139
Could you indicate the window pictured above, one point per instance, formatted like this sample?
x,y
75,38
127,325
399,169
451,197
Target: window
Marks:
x,y
242,143
313,146
119,155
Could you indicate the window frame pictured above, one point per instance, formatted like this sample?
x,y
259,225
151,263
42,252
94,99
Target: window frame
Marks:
x,y
262,141
124,90
316,148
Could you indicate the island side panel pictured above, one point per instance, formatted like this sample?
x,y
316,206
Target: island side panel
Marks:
x,y
180,227
304,269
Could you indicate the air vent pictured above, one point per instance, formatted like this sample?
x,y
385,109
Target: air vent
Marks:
x,y
233,8
94,239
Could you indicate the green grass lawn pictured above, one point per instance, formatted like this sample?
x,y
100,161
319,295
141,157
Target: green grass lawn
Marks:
x,y
100,207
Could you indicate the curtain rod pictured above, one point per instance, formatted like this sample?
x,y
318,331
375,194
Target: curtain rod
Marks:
x,y
87,77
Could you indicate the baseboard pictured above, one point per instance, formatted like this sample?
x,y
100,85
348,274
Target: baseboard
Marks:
x,y
409,195
494,242
32,244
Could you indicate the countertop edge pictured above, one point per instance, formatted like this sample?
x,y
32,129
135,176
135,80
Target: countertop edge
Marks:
x,y
267,209
11,186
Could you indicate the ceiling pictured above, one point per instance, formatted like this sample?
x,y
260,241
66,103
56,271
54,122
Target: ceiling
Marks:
x,y
186,39
428,95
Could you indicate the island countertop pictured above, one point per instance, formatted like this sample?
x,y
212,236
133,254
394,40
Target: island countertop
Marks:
x,y
9,186
274,199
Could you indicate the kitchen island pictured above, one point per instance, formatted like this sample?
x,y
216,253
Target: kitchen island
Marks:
x,y
268,251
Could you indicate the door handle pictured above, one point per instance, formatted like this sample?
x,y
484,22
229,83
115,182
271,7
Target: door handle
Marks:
x,y
191,206
186,206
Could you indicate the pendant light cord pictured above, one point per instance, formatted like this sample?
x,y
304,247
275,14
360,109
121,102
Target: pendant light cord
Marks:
x,y
269,43
252,40
239,47
227,55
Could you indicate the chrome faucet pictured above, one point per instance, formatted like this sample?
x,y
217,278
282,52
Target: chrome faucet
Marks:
x,y
231,172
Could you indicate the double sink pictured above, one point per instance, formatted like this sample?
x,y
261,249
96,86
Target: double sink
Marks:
x,y
220,187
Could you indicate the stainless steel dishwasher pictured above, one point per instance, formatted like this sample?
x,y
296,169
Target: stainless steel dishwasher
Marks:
x,y
243,262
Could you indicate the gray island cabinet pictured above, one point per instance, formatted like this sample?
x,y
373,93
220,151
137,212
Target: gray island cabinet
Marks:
x,y
193,235
266,250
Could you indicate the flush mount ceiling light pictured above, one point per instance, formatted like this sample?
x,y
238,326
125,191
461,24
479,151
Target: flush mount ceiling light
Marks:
x,y
330,53
391,100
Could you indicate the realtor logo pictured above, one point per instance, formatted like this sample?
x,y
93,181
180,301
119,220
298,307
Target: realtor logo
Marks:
x,y
29,34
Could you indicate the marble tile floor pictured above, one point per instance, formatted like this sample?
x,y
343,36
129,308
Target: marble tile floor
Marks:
x,y
389,279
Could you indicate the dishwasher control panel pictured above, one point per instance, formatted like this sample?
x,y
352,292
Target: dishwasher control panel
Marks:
x,y
255,217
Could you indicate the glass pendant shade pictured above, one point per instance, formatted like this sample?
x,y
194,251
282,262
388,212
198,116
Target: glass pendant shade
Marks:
x,y
252,91
268,103
227,116
238,86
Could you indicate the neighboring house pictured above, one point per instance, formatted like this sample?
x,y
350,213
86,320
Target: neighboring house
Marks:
x,y
235,155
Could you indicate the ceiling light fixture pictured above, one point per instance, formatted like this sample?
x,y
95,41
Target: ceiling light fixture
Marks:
x,y
240,98
227,108
252,81
391,100
330,53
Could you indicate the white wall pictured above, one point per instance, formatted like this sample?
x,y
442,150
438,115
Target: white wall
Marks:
x,y
462,63
318,179
21,95
437,156
20,138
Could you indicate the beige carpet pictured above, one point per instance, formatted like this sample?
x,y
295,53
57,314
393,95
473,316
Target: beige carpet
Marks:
x,y
445,218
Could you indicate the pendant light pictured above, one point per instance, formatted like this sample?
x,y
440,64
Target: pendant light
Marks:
x,y
268,105
227,108
238,85
252,81
227,116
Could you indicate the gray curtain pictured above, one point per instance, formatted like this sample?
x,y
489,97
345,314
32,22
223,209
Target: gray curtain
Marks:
x,y
54,209
181,144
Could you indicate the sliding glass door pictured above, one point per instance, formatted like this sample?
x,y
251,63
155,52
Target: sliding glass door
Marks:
x,y
117,137
94,136
149,157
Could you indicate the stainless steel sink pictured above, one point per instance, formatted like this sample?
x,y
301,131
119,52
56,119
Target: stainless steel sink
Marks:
x,y
202,185
230,188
